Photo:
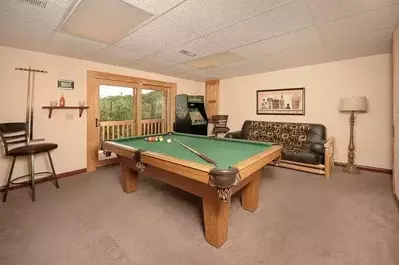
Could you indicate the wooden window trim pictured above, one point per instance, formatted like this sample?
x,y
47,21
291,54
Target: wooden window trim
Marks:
x,y
94,79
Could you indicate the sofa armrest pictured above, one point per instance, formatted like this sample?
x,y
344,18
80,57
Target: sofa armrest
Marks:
x,y
235,135
329,146
318,148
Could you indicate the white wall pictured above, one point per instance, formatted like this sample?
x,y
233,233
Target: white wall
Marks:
x,y
65,127
324,85
396,110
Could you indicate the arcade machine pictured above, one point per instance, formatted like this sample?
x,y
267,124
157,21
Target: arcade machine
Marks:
x,y
190,115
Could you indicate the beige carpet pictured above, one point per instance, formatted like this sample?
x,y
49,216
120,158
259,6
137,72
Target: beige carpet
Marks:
x,y
302,219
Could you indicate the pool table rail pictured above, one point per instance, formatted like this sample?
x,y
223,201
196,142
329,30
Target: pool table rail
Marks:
x,y
190,169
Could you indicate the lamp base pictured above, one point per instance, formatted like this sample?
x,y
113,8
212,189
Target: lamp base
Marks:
x,y
351,169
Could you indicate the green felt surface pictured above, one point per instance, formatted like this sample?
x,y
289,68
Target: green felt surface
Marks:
x,y
226,152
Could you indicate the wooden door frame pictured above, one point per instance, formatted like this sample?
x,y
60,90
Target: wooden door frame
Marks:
x,y
94,79
394,114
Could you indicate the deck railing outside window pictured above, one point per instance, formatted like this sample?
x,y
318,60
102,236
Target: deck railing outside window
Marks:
x,y
120,129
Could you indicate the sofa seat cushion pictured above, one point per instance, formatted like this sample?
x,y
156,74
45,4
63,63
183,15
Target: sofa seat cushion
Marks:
x,y
305,156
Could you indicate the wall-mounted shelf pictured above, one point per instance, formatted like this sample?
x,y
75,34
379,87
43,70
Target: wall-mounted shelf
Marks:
x,y
51,108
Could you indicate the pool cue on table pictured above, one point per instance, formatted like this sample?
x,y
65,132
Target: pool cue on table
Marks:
x,y
204,157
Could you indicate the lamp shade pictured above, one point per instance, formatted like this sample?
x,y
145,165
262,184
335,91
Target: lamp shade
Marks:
x,y
358,104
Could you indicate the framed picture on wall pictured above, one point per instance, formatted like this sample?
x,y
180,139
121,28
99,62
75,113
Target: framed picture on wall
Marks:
x,y
286,101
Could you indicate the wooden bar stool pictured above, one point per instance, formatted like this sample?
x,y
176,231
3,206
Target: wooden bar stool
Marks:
x,y
15,134
220,124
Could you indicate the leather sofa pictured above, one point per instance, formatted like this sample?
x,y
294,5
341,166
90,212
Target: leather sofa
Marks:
x,y
304,144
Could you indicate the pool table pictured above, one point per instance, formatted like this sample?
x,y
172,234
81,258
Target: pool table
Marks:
x,y
239,164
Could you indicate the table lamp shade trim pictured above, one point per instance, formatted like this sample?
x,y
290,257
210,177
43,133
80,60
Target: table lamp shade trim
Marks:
x,y
358,104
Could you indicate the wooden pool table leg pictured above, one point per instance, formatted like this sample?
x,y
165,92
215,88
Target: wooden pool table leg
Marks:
x,y
216,220
250,193
129,178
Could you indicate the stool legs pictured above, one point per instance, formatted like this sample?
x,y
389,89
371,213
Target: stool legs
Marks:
x,y
53,170
32,175
9,179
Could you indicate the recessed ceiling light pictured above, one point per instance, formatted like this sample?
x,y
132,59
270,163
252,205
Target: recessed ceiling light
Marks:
x,y
191,54
104,21
214,60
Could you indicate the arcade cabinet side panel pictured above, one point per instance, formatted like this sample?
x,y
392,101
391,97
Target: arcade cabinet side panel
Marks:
x,y
182,121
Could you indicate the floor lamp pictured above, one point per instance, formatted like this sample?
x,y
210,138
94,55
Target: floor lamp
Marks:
x,y
352,105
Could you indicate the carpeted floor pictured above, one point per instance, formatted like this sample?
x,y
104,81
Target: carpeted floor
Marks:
x,y
302,219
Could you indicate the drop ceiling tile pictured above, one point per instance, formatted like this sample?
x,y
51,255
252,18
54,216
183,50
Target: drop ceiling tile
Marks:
x,y
154,6
365,44
67,45
152,63
18,12
23,36
159,35
178,68
283,19
205,16
307,55
190,76
367,21
200,47
116,55
229,70
280,43
326,10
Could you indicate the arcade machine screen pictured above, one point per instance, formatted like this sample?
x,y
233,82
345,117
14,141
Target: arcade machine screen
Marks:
x,y
196,117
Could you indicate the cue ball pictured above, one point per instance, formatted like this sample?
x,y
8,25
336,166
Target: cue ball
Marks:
x,y
169,140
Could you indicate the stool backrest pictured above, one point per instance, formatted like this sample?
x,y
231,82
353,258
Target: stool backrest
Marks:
x,y
13,133
220,121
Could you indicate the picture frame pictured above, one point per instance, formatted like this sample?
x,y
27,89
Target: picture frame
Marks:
x,y
66,84
285,101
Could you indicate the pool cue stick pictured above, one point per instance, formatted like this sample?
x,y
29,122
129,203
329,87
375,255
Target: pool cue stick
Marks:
x,y
204,157
30,100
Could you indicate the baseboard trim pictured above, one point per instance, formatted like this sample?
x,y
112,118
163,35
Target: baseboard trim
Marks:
x,y
395,198
71,173
367,168
41,180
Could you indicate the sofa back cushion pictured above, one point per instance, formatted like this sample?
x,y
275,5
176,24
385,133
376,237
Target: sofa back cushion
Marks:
x,y
294,137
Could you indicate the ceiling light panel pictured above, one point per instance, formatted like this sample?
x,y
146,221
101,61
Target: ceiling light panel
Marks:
x,y
158,35
104,20
205,16
279,43
19,12
154,6
200,47
287,18
214,60
326,10
385,17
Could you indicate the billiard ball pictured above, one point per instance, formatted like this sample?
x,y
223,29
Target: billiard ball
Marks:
x,y
169,140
